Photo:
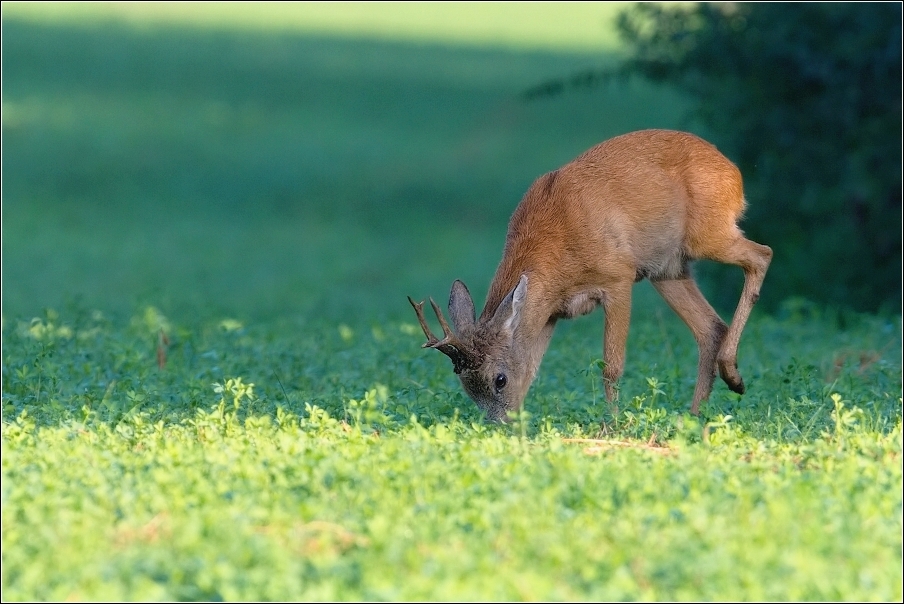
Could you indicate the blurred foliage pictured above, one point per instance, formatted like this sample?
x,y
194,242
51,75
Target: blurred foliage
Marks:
x,y
806,98
154,165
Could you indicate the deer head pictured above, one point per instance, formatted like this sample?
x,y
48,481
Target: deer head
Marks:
x,y
485,354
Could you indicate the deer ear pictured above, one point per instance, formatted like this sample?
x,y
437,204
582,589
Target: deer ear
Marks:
x,y
461,308
508,315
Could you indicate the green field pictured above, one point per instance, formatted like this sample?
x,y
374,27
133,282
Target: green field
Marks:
x,y
197,199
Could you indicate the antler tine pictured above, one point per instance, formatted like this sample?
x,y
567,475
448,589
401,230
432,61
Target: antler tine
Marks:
x,y
462,355
447,333
419,309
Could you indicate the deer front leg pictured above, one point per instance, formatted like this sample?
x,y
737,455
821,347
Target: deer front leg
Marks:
x,y
617,306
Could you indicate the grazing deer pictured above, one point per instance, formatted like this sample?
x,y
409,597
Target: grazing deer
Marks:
x,y
640,205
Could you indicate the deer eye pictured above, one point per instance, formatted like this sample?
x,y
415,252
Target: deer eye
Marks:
x,y
500,381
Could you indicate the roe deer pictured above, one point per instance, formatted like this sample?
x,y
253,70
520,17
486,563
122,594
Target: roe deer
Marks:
x,y
640,205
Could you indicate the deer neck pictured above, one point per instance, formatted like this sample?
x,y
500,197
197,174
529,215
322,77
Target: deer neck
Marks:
x,y
535,329
533,343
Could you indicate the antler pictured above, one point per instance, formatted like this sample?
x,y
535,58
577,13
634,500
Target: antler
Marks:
x,y
462,357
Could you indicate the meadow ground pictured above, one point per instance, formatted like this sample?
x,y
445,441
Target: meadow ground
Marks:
x,y
213,386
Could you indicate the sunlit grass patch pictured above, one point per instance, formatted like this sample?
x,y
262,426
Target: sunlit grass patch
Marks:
x,y
369,505
562,26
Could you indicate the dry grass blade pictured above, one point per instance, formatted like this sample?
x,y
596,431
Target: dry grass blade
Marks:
x,y
597,446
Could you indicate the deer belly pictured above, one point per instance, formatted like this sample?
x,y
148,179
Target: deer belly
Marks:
x,y
666,266
661,254
580,304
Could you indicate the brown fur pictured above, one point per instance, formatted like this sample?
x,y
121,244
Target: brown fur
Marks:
x,y
640,205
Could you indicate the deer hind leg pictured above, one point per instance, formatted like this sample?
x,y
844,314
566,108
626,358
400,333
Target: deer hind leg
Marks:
x,y
754,259
617,306
685,298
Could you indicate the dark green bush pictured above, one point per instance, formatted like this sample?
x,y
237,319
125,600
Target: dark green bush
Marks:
x,y
806,98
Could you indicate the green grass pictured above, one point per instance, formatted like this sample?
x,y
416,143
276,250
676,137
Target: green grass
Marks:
x,y
266,196
354,468
152,160
573,26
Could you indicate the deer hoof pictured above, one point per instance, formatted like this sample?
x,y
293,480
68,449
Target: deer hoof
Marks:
x,y
729,374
